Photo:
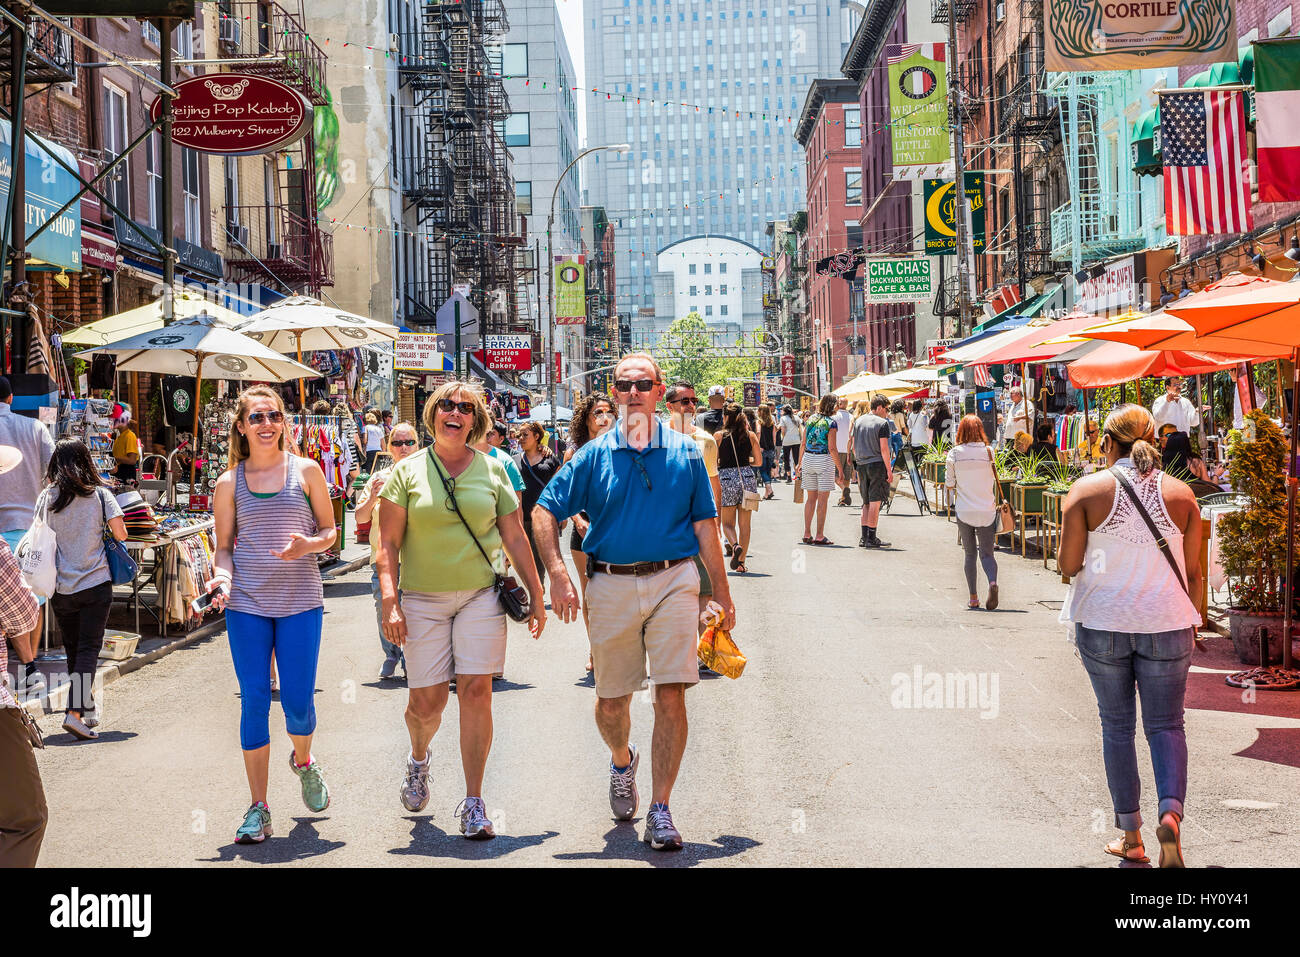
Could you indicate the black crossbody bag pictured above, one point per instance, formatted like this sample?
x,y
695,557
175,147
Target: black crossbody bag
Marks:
x,y
1127,486
513,596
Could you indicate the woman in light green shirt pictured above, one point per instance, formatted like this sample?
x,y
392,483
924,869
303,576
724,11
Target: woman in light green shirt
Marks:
x,y
447,609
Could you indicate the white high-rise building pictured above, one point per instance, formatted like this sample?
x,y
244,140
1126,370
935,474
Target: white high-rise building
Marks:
x,y
725,163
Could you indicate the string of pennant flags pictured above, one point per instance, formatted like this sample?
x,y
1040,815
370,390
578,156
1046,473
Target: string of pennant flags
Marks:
x,y
623,96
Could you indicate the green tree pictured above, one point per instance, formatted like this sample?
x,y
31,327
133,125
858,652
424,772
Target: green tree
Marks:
x,y
689,355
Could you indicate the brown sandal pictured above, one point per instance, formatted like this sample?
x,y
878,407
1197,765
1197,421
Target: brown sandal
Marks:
x,y
1124,847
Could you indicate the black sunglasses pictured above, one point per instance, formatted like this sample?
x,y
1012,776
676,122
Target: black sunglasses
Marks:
x,y
465,408
641,385
404,442
684,400
645,476
275,417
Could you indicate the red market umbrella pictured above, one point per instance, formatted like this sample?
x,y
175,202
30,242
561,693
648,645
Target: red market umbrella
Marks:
x,y
1115,362
1030,346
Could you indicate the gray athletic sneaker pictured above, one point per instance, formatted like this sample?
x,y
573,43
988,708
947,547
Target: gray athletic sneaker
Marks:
x,y
257,825
474,823
388,669
659,831
415,786
623,797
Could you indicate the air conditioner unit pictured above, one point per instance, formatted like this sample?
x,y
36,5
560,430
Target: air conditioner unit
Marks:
x,y
230,35
237,235
394,43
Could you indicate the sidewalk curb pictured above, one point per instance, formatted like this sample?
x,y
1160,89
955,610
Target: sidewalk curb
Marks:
x,y
110,672
341,570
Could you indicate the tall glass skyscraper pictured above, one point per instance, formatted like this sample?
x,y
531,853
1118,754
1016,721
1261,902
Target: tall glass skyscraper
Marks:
x,y
755,58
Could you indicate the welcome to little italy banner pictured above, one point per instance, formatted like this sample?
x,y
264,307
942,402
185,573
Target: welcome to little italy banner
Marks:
x,y
1136,34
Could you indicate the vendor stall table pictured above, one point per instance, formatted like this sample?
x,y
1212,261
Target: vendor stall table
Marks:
x,y
160,560
1051,541
1027,503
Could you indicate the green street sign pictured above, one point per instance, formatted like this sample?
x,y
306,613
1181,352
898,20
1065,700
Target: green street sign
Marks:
x,y
898,280
941,214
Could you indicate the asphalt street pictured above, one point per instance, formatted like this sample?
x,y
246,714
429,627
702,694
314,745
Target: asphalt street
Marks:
x,y
834,748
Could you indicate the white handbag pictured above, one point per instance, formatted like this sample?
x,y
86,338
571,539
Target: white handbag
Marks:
x,y
36,555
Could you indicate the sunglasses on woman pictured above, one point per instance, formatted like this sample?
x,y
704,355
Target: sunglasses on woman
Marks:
x,y
464,408
641,385
275,417
403,442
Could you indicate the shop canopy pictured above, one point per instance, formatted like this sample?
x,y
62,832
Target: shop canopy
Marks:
x,y
1113,363
864,385
917,374
147,318
1024,311
542,413
1027,344
981,342
1159,330
1249,308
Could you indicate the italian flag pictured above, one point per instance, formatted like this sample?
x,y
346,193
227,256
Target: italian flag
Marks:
x,y
1277,132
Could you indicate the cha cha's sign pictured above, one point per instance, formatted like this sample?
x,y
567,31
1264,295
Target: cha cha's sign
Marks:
x,y
899,280
1138,34
236,114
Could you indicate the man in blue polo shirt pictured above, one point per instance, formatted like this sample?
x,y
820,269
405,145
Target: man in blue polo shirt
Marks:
x,y
647,493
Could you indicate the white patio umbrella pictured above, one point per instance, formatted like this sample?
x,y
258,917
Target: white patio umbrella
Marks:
x,y
201,348
301,323
542,413
147,318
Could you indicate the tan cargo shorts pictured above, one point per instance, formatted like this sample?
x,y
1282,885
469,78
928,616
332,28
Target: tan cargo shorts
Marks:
x,y
640,619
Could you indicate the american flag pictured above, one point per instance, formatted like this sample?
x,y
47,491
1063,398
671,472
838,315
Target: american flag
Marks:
x,y
982,378
1206,171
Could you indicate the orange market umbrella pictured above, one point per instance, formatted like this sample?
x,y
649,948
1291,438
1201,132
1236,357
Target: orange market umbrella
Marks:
x,y
1116,362
1268,312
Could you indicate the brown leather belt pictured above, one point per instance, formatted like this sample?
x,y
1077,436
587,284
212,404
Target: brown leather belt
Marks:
x,y
640,568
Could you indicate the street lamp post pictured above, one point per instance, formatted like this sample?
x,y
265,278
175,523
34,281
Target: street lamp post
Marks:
x,y
550,274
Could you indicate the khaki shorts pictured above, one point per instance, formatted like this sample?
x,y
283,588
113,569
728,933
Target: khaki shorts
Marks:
x,y
446,630
640,617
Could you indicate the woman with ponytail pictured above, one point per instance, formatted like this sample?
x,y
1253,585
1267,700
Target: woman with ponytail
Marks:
x,y
272,514
1131,541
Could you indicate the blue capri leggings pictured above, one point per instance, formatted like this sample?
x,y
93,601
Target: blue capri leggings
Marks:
x,y
295,640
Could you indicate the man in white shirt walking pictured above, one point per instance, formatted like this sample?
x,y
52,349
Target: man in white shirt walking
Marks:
x,y
791,439
1173,409
843,420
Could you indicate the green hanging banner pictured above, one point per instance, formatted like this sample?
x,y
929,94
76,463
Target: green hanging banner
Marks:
x,y
918,110
941,214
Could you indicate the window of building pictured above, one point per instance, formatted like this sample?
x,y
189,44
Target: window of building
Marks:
x,y
708,310
853,186
722,290
708,268
852,126
515,130
153,178
723,310
708,290
271,206
691,267
184,36
524,197
694,291
231,177
149,31
722,267
115,127
190,195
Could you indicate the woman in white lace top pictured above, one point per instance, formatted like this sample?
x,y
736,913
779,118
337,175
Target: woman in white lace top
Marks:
x,y
1135,624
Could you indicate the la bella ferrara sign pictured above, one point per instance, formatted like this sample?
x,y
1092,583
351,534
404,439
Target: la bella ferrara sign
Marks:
x,y
236,114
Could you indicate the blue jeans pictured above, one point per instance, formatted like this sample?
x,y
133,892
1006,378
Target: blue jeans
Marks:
x,y
769,463
391,651
1156,665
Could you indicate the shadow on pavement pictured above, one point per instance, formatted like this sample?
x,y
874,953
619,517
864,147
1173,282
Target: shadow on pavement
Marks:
x,y
1275,745
429,840
67,739
386,684
588,680
623,842
348,589
299,844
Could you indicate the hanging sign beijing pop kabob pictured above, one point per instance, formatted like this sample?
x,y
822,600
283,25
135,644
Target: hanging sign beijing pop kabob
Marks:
x,y
236,114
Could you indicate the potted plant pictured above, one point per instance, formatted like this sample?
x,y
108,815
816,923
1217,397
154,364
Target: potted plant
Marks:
x,y
936,458
1031,483
1005,464
1252,541
1058,478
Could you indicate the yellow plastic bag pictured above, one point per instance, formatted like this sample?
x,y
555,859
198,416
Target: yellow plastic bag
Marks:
x,y
717,651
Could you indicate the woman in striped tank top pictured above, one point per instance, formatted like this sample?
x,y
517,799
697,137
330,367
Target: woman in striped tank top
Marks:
x,y
273,515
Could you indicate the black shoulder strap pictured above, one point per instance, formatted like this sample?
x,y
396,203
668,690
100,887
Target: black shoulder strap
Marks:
x,y
451,495
1122,481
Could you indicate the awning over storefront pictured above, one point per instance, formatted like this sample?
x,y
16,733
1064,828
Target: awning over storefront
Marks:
x,y
1026,310
48,187
1148,160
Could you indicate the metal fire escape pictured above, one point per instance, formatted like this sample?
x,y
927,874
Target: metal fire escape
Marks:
x,y
279,241
455,170
1031,119
1100,219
